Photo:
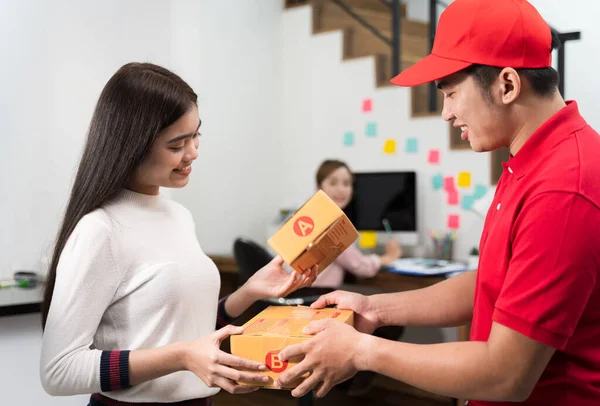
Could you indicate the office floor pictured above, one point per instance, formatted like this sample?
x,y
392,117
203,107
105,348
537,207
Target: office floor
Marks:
x,y
382,396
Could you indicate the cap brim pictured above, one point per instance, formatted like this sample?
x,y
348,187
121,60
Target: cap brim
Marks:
x,y
428,69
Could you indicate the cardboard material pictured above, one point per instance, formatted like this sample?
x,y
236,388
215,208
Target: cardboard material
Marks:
x,y
275,328
315,235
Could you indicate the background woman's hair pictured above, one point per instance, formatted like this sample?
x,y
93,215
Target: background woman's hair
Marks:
x,y
327,168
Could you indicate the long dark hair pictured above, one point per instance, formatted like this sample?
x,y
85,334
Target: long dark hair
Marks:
x,y
137,103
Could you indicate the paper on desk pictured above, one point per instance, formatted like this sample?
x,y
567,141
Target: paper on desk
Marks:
x,y
424,267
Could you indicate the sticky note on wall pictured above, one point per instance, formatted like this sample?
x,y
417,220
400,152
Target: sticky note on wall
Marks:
x,y
368,239
449,183
464,179
371,130
389,147
348,139
367,105
452,197
453,221
467,202
412,145
434,156
480,191
437,181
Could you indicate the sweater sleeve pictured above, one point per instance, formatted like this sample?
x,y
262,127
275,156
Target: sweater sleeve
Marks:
x,y
223,319
87,278
361,265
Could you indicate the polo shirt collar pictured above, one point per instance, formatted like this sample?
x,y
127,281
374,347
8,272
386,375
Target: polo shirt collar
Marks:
x,y
560,126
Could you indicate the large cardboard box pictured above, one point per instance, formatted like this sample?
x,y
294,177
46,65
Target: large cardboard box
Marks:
x,y
275,328
315,235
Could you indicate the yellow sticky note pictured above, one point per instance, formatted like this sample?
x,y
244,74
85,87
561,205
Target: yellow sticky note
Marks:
x,y
389,147
368,239
464,179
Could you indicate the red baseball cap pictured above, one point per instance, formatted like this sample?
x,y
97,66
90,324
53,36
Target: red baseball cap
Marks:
x,y
502,33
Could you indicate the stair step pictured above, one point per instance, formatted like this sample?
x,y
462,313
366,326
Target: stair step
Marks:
x,y
383,69
359,41
376,5
327,16
373,5
420,99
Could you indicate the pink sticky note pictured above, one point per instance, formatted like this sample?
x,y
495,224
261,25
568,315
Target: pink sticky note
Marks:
x,y
453,221
449,183
452,197
367,105
434,156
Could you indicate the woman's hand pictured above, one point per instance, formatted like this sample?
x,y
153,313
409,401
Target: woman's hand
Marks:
x,y
272,281
393,251
214,367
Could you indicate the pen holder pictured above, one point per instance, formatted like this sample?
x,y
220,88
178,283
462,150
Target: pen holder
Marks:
x,y
442,249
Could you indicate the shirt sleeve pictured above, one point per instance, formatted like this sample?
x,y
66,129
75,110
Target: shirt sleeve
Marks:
x,y
359,264
87,279
553,270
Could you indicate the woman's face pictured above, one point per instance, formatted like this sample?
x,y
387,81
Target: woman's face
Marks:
x,y
169,162
338,186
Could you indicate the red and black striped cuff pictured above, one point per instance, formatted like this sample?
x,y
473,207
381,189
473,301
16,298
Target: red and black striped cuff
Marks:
x,y
114,370
223,318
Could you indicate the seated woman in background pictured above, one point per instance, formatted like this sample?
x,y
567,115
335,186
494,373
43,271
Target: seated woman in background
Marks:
x,y
336,180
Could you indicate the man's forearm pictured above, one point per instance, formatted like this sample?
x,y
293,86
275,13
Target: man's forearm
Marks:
x,y
459,370
445,304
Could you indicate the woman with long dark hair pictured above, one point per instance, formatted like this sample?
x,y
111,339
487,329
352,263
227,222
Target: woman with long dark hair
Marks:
x,y
131,300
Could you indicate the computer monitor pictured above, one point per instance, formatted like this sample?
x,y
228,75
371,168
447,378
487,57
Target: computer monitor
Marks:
x,y
386,195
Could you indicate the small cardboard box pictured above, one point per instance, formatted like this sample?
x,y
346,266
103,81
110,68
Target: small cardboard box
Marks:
x,y
315,235
275,328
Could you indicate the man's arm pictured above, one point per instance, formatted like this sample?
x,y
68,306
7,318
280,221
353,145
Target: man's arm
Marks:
x,y
505,368
445,304
448,303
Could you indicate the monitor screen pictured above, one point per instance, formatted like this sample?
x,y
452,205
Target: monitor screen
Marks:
x,y
384,195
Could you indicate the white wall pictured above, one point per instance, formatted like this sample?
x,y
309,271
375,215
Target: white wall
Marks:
x,y
56,57
230,51
322,100
583,61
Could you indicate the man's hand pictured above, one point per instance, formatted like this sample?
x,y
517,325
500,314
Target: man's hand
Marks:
x,y
365,316
332,356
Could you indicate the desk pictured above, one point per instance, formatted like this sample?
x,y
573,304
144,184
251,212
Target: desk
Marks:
x,y
15,300
383,281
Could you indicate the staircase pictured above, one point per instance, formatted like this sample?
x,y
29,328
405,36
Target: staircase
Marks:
x,y
360,42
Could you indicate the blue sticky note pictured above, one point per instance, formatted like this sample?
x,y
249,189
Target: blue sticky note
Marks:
x,y
411,145
371,130
467,202
480,191
349,139
437,181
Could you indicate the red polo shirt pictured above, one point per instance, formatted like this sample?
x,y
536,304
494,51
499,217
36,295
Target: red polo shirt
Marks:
x,y
539,270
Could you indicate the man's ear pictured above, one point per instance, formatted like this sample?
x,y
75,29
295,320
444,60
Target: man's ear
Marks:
x,y
509,83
